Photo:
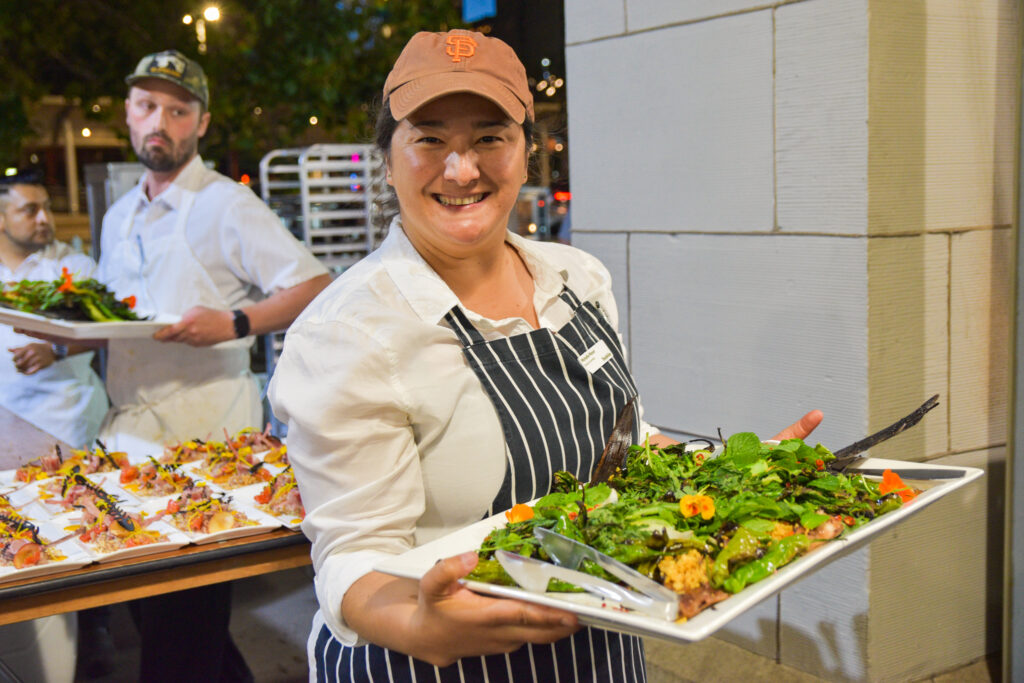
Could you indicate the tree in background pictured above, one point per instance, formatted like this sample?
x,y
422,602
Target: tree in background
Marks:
x,y
272,64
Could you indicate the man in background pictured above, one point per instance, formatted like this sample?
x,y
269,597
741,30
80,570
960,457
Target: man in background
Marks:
x,y
52,387
43,383
190,243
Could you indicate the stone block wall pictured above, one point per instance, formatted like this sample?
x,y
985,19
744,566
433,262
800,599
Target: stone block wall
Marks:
x,y
809,204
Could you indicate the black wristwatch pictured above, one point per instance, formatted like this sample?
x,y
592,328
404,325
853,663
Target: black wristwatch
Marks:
x,y
60,352
241,323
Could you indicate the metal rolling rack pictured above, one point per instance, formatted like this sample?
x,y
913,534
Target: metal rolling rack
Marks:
x,y
325,195
339,183
281,189
280,186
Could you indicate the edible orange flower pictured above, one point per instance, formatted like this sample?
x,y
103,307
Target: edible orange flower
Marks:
x,y
693,505
67,285
129,301
519,513
891,482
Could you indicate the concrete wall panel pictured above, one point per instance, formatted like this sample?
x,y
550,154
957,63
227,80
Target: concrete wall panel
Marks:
x,y
935,599
908,341
824,620
821,125
747,333
980,290
613,250
591,19
679,146
647,14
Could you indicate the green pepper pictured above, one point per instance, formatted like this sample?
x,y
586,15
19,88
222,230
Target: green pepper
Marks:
x,y
490,571
94,311
779,554
743,544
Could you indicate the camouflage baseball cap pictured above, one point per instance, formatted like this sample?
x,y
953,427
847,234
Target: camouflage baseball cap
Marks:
x,y
172,66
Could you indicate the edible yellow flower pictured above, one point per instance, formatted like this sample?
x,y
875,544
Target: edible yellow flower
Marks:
x,y
692,505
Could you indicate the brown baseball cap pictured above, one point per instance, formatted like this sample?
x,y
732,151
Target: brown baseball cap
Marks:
x,y
436,64
173,66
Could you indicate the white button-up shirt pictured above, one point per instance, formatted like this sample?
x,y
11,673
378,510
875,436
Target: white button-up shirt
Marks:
x,y
393,439
66,399
237,239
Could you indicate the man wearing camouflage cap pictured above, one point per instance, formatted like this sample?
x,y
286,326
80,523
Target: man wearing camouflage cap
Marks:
x,y
190,243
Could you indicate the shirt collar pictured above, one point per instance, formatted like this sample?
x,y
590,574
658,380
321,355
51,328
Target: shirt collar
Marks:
x,y
187,180
429,295
48,253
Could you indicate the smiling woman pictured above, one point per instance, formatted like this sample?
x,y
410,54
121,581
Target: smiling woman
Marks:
x,y
443,379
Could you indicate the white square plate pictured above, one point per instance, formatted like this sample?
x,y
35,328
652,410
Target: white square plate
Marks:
x,y
74,556
416,562
263,522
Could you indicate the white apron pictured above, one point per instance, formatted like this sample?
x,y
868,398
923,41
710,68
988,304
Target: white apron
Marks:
x,y
65,399
162,392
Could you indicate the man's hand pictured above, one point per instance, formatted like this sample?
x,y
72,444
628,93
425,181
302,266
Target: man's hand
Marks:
x,y
802,428
200,326
32,358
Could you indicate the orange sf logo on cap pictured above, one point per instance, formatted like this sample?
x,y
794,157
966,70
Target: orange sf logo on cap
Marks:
x,y
459,47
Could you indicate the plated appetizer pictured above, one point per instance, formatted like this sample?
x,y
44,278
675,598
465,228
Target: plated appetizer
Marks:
x,y
76,491
21,545
269,447
188,451
280,497
234,469
55,464
152,478
199,510
109,528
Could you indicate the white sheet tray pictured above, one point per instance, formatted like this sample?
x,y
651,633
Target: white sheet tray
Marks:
x,y
416,562
83,330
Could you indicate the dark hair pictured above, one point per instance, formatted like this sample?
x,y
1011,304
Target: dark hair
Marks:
x,y
23,176
386,203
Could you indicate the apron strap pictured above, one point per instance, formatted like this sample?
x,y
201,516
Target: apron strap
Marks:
x,y
458,321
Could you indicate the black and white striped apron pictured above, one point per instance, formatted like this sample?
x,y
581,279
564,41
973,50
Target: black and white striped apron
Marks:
x,y
556,415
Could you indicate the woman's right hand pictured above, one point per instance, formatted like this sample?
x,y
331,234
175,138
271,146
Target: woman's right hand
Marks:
x,y
439,621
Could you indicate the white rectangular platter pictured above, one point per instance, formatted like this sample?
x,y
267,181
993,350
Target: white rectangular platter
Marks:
x,y
83,330
416,562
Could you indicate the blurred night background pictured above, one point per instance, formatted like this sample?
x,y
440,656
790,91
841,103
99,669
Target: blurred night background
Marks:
x,y
283,73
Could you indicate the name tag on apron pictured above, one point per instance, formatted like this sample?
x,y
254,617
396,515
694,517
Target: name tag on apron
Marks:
x,y
596,356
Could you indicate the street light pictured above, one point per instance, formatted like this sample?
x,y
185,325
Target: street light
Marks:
x,y
209,13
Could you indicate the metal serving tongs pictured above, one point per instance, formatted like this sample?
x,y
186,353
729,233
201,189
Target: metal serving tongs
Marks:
x,y
855,451
647,596
533,575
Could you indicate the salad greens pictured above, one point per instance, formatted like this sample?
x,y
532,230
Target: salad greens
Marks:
x,y
69,299
705,526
